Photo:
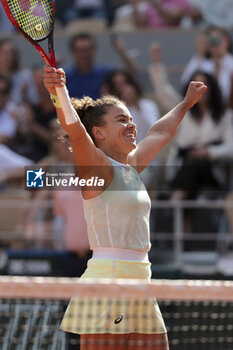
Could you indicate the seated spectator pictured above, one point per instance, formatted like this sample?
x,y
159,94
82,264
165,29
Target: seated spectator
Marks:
x,y
8,124
229,212
33,135
168,97
86,8
9,160
62,8
71,9
84,77
156,13
75,238
12,167
67,227
213,56
70,231
216,13
110,9
23,86
231,95
126,11
205,136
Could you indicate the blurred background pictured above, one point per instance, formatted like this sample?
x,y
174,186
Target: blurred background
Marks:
x,y
144,52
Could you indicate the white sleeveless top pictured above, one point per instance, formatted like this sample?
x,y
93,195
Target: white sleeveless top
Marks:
x,y
119,216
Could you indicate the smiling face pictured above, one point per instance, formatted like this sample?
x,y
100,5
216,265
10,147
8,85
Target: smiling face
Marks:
x,y
118,134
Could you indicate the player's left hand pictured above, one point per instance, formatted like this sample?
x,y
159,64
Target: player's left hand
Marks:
x,y
195,90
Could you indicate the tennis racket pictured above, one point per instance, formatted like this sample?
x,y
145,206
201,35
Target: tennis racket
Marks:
x,y
35,19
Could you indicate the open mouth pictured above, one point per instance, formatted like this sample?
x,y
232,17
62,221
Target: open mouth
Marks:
x,y
131,136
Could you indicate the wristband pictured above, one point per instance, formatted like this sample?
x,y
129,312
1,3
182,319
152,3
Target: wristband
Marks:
x,y
56,101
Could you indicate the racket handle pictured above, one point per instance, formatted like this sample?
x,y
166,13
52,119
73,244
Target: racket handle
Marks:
x,y
69,112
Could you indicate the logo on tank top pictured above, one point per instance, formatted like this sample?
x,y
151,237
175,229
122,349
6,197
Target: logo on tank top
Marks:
x,y
127,175
118,319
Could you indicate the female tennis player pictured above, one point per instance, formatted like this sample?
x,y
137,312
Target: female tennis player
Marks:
x,y
103,139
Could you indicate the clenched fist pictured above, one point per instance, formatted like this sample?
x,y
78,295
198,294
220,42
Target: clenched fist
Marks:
x,y
195,90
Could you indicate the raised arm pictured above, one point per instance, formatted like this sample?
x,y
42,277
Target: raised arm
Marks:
x,y
122,51
165,94
165,128
85,151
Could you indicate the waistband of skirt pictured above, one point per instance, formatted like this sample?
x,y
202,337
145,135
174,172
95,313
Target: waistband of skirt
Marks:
x,y
120,254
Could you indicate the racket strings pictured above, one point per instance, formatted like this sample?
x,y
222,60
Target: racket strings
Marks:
x,y
34,17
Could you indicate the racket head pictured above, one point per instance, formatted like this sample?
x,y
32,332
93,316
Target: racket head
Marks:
x,y
33,18
38,17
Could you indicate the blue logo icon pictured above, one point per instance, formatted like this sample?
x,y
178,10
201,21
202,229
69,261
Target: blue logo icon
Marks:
x,y
35,178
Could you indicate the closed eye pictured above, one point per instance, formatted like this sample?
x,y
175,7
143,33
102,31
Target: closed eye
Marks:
x,y
124,118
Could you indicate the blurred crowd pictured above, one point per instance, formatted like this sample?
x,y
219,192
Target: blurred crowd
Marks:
x,y
143,13
30,134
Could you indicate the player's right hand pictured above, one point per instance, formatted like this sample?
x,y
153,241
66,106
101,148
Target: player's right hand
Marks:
x,y
54,78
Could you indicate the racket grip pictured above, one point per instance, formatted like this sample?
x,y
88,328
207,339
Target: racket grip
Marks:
x,y
69,112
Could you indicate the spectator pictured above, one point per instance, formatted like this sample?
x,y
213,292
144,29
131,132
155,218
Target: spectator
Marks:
x,y
205,136
216,13
66,11
156,13
10,160
229,211
12,166
62,8
231,95
23,87
84,77
68,208
68,230
86,8
214,57
33,134
126,11
110,8
8,125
